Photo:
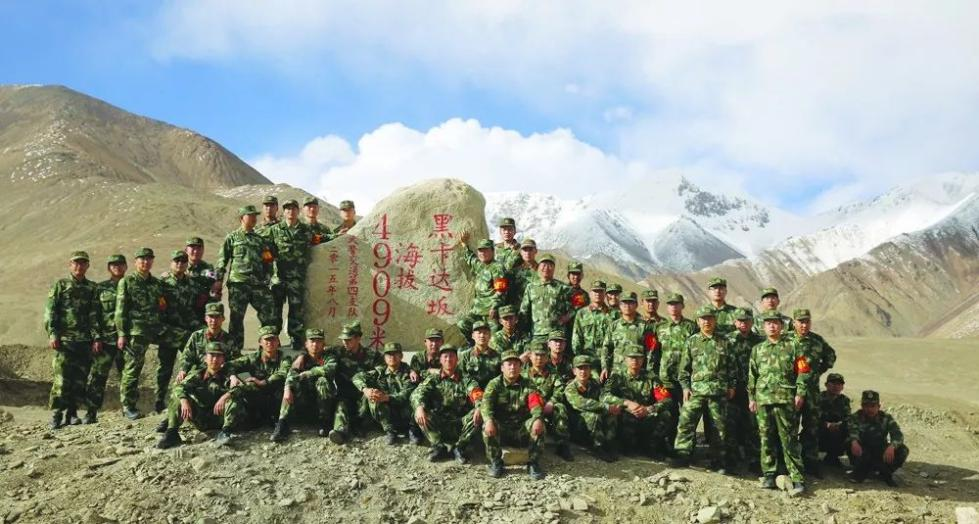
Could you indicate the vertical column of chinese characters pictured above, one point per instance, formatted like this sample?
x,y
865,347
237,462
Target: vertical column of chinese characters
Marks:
x,y
331,283
440,279
381,283
353,288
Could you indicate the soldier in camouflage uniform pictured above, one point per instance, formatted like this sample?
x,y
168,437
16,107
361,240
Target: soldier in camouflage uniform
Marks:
x,y
770,302
263,376
387,390
523,273
723,312
192,355
876,443
672,334
821,357
508,249
444,407
612,295
513,413
140,308
348,218
310,390
292,241
352,358
480,363
646,420
742,427
179,321
490,285
834,416
109,356
558,357
591,326
579,297
778,375
270,215
650,307
629,329
202,274
707,376
427,363
548,380
73,322
591,419
206,399
509,337
319,232
546,304
251,258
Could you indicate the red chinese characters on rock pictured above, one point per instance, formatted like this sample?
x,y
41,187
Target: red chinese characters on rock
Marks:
x,y
380,283
331,283
353,285
440,279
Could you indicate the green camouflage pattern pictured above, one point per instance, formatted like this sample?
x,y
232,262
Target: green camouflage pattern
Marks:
x,y
73,311
292,244
772,374
725,317
543,305
672,337
651,432
778,427
98,375
319,233
874,435
479,367
550,383
350,408
180,320
591,331
622,334
821,358
315,393
589,415
446,399
395,414
706,365
742,425
261,402
192,355
107,291
203,391
71,363
507,404
241,258
834,409
502,342
140,306
203,275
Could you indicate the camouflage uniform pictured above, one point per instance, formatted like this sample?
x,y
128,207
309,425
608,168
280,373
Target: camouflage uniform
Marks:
x,y
395,415
490,284
513,407
479,367
502,342
591,328
725,318
289,282
351,406
449,401
140,307
422,365
651,433
508,255
777,373
262,403
621,334
821,358
344,227
192,355
707,371
180,320
110,356
203,390
544,303
319,233
551,385
672,337
874,435
742,426
833,410
203,275
522,275
312,383
590,418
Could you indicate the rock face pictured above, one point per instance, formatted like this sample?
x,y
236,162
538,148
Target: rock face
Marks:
x,y
400,270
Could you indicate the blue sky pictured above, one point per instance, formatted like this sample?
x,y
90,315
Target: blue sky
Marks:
x,y
804,107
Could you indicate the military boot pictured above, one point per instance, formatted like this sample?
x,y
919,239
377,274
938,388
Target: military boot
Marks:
x,y
162,426
391,438
414,435
160,406
798,488
281,431
224,438
564,451
496,469
338,436
535,471
767,482
131,413
460,455
888,478
91,416
170,439
57,419
437,453
72,418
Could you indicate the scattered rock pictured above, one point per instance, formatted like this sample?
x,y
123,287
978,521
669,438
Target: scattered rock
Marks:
x,y
783,482
579,504
966,515
709,514
199,463
98,463
285,503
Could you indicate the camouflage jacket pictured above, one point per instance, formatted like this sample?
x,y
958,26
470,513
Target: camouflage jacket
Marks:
x,y
509,256
272,371
502,342
479,368
672,337
107,299
549,382
834,409
422,365
342,229
490,284
706,366
511,403
140,306
777,372
448,395
181,295
522,275
741,353
585,398
543,305
397,384
874,432
759,324
202,388
591,330
821,355
564,368
203,275
305,367
319,233
725,318
349,364
265,228
622,332
291,250
73,311
193,354
641,388
251,258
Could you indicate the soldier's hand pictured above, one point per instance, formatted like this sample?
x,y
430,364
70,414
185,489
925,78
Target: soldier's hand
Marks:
x,y
421,417
730,393
464,237
548,408
477,417
537,428
383,397
181,375
799,402
753,406
490,428
185,412
525,357
603,376
121,343
856,449
615,409
55,343
234,381
687,395
287,396
889,454
413,376
96,347
219,405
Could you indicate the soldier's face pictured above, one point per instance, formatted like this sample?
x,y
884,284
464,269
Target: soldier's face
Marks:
x,y
178,267
556,346
511,368
528,254
634,364
214,362
871,410
78,268
707,324
597,296
574,279
802,327
769,302
144,264
507,233
214,322
509,323
348,215
717,293
546,270
835,388
485,255
773,328
393,360
612,299
117,270
628,308
432,345
352,343
248,221
449,361
270,210
743,326
311,211
675,309
270,345
194,253
314,347
291,213
481,336
538,360
583,374
651,305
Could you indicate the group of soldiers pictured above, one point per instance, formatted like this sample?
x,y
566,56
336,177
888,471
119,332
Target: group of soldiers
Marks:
x,y
544,358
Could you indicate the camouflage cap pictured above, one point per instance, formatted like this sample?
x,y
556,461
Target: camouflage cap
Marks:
x,y
268,332
118,258
633,350
485,244
507,222
392,347
629,297
79,255
346,204
509,355
674,298
145,252
270,199
539,348
214,309
290,203
528,243
448,348
769,291
348,332
311,201
433,333
315,334
650,294
557,334
247,210
576,267
507,311
546,258
214,347
598,285
835,378
771,314
870,397
706,312
613,288
581,361
716,282
178,254
479,324
743,314
194,241
801,314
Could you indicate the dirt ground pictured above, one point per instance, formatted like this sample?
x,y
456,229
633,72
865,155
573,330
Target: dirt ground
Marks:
x,y
110,472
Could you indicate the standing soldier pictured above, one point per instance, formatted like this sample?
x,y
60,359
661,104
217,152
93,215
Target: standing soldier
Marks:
x,y
723,312
548,380
309,388
650,307
770,302
427,363
821,357
109,356
546,304
834,411
205,399
876,441
777,381
508,337
672,334
508,249
490,285
524,272
579,297
348,218
480,363
513,413
72,320
270,215
612,294
179,321
444,407
706,374
352,358
292,240
319,232
202,274
594,421
742,428
629,329
646,421
387,390
591,326
263,377
140,308
251,258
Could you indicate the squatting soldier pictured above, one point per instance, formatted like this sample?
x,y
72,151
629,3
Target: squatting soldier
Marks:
x,y
292,240
270,215
524,272
591,326
548,380
592,420
427,363
319,232
876,441
387,390
480,363
179,321
73,322
742,427
546,304
508,337
672,334
352,358
193,354
205,399
777,378
513,413
821,357
444,407
612,294
109,356
263,377
251,258
707,376
140,306
723,312
770,302
508,249
646,421
629,329
348,218
650,307
202,274
490,284
834,416
309,389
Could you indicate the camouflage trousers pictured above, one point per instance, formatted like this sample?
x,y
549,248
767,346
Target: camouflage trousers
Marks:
x,y
133,358
240,296
809,418
650,433
676,393
291,291
391,416
557,423
70,364
742,429
351,407
872,458
833,442
102,364
512,433
778,427
171,344
593,429
449,429
313,399
261,404
713,409
202,414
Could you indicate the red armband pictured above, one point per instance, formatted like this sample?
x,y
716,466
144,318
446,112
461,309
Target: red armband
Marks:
x,y
534,400
578,300
500,285
267,256
651,342
476,395
802,365
660,393
162,303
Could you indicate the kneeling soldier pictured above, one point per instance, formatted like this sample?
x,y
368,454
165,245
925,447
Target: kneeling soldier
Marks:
x,y
834,412
261,390
513,412
550,383
876,441
310,382
647,418
206,399
444,408
590,416
387,390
